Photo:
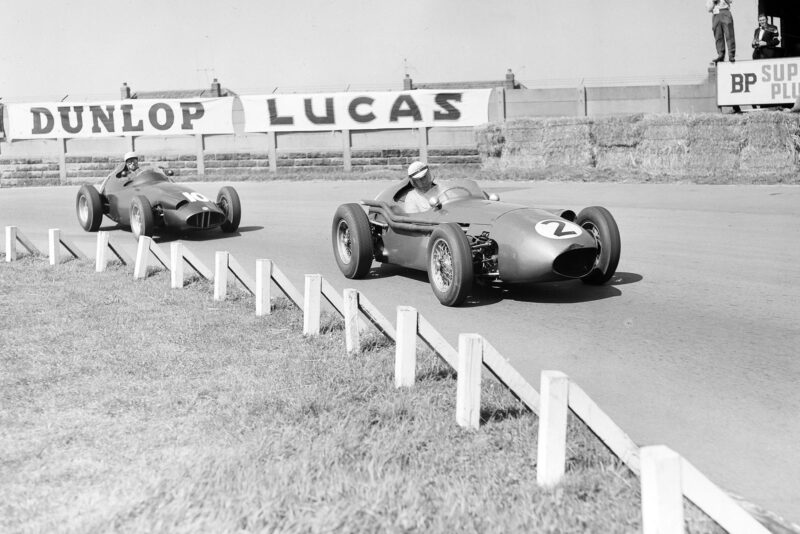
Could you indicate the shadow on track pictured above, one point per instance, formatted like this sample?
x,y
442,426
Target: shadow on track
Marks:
x,y
167,236
484,294
200,235
565,292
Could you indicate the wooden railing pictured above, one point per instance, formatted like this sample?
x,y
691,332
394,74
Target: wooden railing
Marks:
x,y
666,478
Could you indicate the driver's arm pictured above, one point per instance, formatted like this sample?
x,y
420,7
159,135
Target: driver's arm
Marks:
x,y
415,202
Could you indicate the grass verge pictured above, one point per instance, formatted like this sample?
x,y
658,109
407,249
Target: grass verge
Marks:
x,y
130,407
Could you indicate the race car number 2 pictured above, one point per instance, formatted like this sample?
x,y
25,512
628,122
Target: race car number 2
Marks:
x,y
195,197
555,229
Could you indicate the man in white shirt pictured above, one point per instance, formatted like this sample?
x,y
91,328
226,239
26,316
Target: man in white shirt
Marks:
x,y
417,200
722,26
765,39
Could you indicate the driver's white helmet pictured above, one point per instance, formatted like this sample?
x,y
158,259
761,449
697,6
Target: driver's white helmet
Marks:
x,y
417,170
130,155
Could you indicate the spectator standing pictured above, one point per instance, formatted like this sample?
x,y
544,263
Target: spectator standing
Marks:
x,y
722,26
765,39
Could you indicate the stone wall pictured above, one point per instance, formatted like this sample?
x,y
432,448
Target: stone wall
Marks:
x,y
45,170
29,171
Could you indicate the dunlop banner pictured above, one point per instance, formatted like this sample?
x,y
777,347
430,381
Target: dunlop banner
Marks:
x,y
120,118
758,82
365,110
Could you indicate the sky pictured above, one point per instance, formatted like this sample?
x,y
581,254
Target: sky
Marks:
x,y
85,49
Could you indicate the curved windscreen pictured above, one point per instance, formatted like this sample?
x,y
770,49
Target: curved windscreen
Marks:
x,y
150,176
460,189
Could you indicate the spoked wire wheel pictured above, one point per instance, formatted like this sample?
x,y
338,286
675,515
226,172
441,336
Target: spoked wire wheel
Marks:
x,y
442,265
450,269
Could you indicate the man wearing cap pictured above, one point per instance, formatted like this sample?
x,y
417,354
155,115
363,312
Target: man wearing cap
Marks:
x,y
417,200
128,167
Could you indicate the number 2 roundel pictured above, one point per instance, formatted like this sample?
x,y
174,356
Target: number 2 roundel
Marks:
x,y
558,229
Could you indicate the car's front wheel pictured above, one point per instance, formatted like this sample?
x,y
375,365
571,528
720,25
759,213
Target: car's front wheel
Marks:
x,y
599,222
450,264
89,208
142,220
228,202
352,240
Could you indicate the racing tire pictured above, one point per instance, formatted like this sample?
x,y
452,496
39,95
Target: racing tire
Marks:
x,y
352,240
599,222
450,264
228,201
142,219
89,208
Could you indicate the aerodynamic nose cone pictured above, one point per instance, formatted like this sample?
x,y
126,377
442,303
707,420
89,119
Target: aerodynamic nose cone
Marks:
x,y
537,246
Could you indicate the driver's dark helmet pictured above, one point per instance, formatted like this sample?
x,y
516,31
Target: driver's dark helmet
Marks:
x,y
420,176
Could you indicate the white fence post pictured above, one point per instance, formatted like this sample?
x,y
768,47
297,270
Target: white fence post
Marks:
x,y
11,243
101,250
405,359
662,491
263,287
176,265
352,340
311,304
468,386
552,443
54,245
220,275
142,253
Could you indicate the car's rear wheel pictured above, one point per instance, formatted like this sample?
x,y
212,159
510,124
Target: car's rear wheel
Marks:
x,y
352,240
89,208
599,222
228,202
450,264
142,220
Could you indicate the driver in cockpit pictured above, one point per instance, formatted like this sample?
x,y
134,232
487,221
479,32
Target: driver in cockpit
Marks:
x,y
128,167
131,165
417,200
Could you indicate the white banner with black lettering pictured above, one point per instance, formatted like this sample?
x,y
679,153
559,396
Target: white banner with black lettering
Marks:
x,y
758,82
120,118
365,110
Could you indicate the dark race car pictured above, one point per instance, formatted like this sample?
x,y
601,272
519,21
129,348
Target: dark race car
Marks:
x,y
468,234
149,201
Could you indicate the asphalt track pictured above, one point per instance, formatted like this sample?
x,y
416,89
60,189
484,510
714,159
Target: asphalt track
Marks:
x,y
693,344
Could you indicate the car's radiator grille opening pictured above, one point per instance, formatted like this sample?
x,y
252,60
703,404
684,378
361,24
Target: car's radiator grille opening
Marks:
x,y
205,219
575,263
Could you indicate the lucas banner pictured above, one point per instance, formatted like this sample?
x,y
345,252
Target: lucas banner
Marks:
x,y
365,110
758,82
120,118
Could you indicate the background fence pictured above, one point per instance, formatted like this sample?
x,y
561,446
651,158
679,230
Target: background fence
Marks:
x,y
254,155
